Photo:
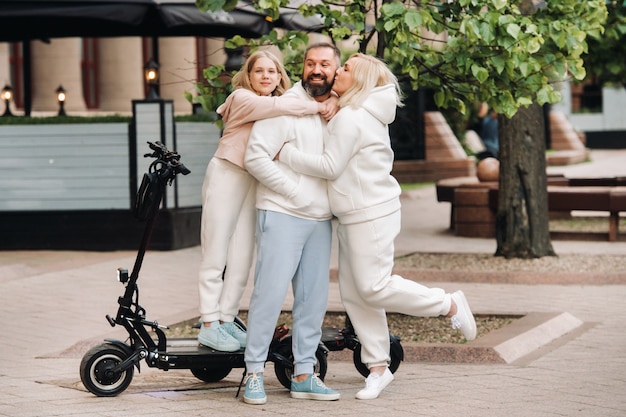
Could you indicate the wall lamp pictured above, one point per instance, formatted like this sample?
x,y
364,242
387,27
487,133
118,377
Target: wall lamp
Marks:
x,y
151,75
61,100
7,96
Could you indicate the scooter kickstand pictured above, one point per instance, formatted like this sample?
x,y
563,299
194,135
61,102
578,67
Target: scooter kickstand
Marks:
x,y
243,376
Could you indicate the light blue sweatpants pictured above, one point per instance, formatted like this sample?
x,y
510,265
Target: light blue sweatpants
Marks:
x,y
295,251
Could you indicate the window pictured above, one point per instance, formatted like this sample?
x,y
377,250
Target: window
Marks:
x,y
16,69
89,67
586,98
203,59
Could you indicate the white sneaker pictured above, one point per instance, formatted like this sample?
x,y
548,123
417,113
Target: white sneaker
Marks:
x,y
463,319
374,384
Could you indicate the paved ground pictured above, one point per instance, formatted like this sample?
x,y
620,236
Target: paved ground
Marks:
x,y
52,307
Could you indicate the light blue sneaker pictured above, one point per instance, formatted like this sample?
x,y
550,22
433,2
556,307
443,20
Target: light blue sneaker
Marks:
x,y
235,331
255,392
313,388
217,338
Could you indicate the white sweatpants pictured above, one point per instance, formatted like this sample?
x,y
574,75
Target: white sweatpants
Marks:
x,y
369,290
227,238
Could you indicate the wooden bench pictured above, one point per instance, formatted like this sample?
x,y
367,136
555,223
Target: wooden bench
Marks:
x,y
474,204
583,198
446,188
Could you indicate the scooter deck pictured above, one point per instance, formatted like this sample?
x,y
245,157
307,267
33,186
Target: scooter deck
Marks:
x,y
192,345
188,353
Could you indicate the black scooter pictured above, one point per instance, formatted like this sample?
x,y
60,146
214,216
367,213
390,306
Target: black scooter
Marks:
x,y
107,369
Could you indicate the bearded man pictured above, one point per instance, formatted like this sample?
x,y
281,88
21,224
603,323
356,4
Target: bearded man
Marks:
x,y
293,235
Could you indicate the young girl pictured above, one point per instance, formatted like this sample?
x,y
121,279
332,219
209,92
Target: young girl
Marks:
x,y
357,161
228,196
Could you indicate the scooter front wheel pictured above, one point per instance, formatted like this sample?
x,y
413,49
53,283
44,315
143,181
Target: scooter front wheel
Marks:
x,y
96,370
284,368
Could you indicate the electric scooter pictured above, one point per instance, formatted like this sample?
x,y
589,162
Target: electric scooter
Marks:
x,y
107,369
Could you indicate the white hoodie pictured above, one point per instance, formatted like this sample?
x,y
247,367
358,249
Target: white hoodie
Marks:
x,y
357,160
281,188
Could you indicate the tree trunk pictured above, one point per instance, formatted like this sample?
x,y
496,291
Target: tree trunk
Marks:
x,y
522,220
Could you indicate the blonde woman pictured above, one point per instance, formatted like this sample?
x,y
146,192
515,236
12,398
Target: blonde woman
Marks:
x,y
228,196
357,161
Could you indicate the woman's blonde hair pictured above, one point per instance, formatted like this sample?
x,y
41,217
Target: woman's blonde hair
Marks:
x,y
242,78
368,72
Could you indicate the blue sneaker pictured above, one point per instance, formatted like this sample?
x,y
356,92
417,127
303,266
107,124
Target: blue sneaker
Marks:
x,y
217,338
255,392
313,388
235,331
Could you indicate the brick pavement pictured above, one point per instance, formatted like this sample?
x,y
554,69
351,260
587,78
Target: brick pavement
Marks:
x,y
52,307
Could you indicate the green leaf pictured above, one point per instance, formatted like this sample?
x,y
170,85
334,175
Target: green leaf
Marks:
x,y
554,97
481,74
486,32
513,30
210,5
499,4
390,25
523,69
439,98
543,95
533,45
413,19
499,63
394,8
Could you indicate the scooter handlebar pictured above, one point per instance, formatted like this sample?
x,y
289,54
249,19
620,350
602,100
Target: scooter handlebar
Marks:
x,y
170,159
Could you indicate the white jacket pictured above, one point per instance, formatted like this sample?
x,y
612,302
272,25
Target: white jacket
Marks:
x,y
357,160
280,188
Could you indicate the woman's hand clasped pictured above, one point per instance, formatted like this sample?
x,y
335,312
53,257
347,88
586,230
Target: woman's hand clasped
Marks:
x,y
329,108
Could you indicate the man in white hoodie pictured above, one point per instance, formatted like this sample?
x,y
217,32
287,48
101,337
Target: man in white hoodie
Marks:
x,y
293,235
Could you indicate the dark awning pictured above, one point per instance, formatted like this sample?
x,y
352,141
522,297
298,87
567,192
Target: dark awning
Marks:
x,y
26,20
22,20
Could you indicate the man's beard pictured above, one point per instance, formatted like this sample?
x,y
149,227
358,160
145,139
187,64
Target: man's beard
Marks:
x,y
317,90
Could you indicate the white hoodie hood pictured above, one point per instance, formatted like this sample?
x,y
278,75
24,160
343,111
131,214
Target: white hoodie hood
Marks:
x,y
381,103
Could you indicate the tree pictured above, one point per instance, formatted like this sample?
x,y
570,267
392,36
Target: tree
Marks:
x,y
504,53
522,223
605,61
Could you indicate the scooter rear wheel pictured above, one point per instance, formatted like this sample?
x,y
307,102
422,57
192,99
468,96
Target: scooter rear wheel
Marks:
x,y
207,374
95,370
396,353
284,370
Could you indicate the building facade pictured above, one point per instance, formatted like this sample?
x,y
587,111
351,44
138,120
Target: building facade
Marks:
x,y
104,75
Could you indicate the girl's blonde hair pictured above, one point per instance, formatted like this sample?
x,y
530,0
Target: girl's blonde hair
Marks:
x,y
242,78
368,72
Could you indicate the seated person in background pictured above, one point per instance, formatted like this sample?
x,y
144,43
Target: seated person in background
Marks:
x,y
487,129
